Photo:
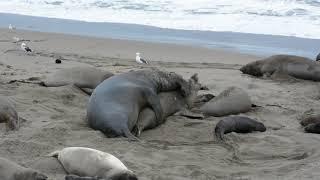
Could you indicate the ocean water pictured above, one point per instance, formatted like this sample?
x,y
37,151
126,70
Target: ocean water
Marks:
x,y
299,18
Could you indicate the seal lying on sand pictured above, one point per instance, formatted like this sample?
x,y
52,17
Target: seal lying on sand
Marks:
x,y
115,104
310,120
8,114
83,161
313,128
318,57
284,65
239,124
171,102
81,77
233,100
12,171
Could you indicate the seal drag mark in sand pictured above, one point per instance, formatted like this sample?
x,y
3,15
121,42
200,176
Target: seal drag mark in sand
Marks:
x,y
12,171
8,114
93,163
233,100
284,65
171,102
115,104
239,124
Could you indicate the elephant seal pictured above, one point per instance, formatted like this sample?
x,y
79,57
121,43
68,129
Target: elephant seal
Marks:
x,y
233,100
313,128
318,57
171,102
282,66
238,124
310,120
81,77
12,171
115,104
82,161
8,114
75,177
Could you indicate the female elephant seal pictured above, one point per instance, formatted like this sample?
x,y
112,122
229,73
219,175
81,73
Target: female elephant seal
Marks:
x,y
115,104
93,163
12,171
284,65
8,114
233,100
238,124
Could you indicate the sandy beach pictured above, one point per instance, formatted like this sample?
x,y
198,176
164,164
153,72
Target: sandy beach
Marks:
x,y
180,149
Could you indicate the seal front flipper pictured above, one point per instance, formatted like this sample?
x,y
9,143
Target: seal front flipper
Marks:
x,y
154,102
130,136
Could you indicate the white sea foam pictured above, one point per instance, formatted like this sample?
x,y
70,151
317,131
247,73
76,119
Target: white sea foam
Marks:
x,y
277,17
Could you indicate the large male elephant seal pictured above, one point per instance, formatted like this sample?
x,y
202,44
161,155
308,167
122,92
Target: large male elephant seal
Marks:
x,y
171,102
81,77
238,124
115,104
284,65
233,100
12,171
8,114
83,161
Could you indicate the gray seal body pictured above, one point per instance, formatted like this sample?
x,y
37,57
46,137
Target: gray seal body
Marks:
x,y
284,65
238,124
115,104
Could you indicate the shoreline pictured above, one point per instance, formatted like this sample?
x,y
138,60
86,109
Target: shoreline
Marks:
x,y
255,44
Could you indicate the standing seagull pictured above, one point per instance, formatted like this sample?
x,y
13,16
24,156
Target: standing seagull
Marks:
x,y
25,47
11,27
140,60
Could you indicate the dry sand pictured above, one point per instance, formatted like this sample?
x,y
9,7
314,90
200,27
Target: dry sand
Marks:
x,y
181,148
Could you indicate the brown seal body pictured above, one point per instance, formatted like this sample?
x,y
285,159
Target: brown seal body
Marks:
x,y
12,171
233,100
238,124
284,65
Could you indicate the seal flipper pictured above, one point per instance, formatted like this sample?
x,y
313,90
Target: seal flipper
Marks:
x,y
154,102
130,136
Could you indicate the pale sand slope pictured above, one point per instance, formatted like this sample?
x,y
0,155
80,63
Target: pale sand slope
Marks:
x,y
179,149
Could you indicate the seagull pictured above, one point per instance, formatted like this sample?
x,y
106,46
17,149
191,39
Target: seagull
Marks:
x,y
25,47
11,27
140,60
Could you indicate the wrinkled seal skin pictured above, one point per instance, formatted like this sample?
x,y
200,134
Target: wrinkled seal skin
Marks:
x,y
81,77
90,164
12,171
313,128
233,100
171,102
238,124
295,66
8,114
310,120
115,104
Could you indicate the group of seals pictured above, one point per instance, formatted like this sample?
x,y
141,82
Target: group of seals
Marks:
x,y
98,164
12,171
284,65
115,104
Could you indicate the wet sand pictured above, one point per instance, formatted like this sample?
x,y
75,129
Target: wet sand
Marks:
x,y
181,148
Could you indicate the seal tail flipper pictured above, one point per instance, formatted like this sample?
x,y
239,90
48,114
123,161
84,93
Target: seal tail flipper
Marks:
x,y
53,154
130,136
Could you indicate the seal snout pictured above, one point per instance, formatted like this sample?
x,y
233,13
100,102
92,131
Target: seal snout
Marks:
x,y
260,127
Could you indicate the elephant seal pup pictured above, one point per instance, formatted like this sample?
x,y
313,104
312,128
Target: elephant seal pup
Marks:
x,y
12,171
310,120
233,100
81,77
115,104
313,128
238,124
83,161
171,102
284,66
8,114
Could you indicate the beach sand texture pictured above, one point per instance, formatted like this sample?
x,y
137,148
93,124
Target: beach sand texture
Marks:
x,y
181,148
